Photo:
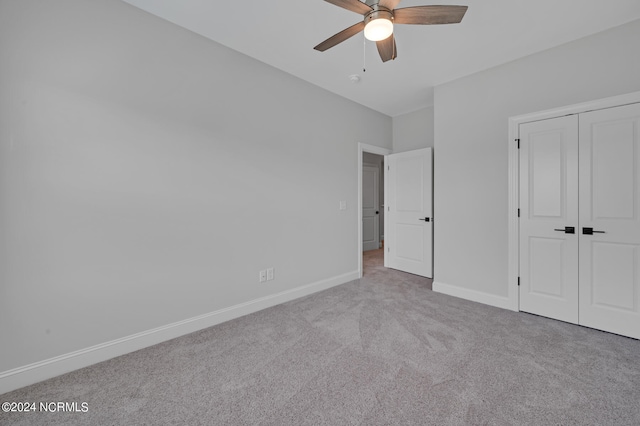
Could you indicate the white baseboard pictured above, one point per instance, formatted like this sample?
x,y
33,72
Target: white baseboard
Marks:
x,y
46,369
473,295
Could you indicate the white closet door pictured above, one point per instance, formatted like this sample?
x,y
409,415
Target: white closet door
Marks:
x,y
549,204
610,206
409,195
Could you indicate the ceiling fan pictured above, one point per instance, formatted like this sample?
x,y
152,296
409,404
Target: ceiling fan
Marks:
x,y
379,17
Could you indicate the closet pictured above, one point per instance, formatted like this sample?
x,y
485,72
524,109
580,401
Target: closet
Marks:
x,y
579,226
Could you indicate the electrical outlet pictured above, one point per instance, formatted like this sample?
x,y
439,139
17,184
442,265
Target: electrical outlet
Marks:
x,y
269,274
263,275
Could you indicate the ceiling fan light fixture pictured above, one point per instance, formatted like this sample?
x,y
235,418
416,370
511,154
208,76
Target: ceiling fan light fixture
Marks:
x,y
378,29
379,17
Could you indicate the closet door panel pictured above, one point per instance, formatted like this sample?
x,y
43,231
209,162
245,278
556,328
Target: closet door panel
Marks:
x,y
549,203
609,248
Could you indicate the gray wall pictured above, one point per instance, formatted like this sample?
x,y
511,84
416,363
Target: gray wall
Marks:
x,y
413,130
147,174
471,135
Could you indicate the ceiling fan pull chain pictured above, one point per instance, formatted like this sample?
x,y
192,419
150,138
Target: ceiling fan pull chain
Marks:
x,y
364,54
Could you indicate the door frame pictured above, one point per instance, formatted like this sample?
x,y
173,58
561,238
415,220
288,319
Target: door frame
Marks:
x,y
513,291
362,148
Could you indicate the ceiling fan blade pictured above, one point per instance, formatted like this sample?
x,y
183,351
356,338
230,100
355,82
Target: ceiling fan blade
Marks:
x,y
429,15
389,4
340,37
352,5
387,48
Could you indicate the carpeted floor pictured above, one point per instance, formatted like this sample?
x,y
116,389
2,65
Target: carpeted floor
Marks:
x,y
383,350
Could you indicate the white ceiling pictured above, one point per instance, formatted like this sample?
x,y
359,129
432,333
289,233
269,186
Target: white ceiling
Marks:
x,y
282,33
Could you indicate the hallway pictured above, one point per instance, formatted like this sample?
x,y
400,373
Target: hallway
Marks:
x,y
373,268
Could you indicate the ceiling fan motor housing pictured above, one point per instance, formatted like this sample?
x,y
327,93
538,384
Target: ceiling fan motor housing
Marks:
x,y
378,12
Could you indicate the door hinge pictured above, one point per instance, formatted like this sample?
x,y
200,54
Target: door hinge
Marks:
x,y
518,140
518,281
389,249
518,212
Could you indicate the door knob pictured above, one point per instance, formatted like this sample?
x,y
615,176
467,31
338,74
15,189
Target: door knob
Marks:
x,y
426,219
567,230
590,231
377,212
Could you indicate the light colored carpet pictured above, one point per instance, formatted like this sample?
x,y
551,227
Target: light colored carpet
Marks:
x,y
383,350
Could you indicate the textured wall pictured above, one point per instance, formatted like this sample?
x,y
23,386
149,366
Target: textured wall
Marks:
x,y
147,174
413,130
471,132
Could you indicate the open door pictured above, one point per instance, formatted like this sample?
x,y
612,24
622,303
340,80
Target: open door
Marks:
x,y
409,212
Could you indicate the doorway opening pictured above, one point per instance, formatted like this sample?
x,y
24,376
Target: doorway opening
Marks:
x,y
372,211
370,203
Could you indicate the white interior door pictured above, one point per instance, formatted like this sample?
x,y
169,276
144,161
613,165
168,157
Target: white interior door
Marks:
x,y
548,212
610,207
370,206
409,204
